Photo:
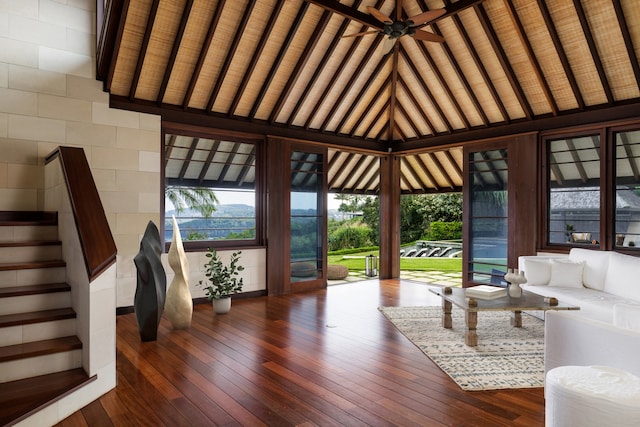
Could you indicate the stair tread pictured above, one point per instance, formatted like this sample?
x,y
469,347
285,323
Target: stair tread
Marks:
x,y
46,288
22,243
32,265
20,218
19,399
36,317
39,348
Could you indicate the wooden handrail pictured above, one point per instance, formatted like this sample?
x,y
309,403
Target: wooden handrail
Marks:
x,y
98,247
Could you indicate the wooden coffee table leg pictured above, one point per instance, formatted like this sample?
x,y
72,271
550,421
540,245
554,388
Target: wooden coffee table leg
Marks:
x,y
446,314
516,319
471,323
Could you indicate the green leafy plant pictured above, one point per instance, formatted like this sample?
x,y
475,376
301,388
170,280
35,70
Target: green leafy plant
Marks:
x,y
223,280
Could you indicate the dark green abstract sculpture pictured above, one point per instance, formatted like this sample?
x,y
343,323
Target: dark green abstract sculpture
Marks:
x,y
151,287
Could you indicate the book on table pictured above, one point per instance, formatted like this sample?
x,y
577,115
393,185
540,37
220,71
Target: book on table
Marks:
x,y
485,292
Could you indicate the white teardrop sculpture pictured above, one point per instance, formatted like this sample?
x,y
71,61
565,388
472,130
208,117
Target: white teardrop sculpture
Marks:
x,y
178,306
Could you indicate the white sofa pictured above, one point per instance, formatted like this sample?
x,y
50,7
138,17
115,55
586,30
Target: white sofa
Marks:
x,y
606,287
596,281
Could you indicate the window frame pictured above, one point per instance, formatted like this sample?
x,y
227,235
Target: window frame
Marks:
x,y
204,132
607,133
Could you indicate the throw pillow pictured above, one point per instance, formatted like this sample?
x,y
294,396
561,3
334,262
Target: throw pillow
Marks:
x,y
627,316
566,274
538,272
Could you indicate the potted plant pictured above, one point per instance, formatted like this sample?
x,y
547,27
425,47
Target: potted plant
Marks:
x,y
223,280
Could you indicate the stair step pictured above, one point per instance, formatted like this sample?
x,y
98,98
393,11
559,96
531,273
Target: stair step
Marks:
x,y
20,218
30,243
39,348
36,317
46,288
22,398
32,265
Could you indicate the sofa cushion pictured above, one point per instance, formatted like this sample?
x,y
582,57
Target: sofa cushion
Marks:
x,y
627,316
623,276
537,272
595,266
566,273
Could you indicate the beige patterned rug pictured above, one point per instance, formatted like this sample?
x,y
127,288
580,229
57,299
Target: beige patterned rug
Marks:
x,y
505,357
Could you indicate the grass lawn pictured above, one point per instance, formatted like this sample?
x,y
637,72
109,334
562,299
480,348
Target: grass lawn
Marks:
x,y
357,262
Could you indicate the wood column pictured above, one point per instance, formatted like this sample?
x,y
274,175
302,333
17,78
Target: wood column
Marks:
x,y
389,267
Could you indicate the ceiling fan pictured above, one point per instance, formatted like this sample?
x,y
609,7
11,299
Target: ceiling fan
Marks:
x,y
394,29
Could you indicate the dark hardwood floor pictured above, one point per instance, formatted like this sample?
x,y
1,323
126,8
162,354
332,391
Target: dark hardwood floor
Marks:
x,y
319,358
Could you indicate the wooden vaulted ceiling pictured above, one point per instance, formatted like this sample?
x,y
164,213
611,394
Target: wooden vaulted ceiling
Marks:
x,y
283,68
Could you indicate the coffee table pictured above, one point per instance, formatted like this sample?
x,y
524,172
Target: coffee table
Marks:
x,y
473,306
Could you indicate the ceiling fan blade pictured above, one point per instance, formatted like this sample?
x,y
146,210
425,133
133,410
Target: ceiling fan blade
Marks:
x,y
379,15
364,33
389,44
428,16
427,37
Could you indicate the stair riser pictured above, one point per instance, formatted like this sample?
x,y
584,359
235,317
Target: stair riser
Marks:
x,y
40,302
40,365
37,332
21,254
35,276
27,233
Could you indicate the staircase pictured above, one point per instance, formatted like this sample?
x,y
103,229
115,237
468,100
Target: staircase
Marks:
x,y
40,354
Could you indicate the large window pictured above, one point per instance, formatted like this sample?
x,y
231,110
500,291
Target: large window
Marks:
x,y
574,190
211,189
593,189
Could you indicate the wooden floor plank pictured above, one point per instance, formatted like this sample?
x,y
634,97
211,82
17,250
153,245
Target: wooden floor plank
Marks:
x,y
325,357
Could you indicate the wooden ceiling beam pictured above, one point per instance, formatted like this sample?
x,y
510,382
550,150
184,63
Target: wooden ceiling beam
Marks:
x,y
441,80
355,75
354,170
504,61
227,164
459,73
343,169
300,65
393,92
174,51
358,98
403,111
143,49
206,45
230,55
320,68
481,68
110,17
255,57
566,66
427,91
351,13
593,49
453,164
425,170
533,61
345,60
284,47
168,149
368,167
628,42
415,102
414,175
432,157
369,107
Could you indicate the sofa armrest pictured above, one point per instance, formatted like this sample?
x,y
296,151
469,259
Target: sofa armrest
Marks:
x,y
572,339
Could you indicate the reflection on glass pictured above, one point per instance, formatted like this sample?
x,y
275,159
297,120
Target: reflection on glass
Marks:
x,y
627,207
574,190
488,216
306,216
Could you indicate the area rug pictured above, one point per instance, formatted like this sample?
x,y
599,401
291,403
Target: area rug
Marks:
x,y
506,357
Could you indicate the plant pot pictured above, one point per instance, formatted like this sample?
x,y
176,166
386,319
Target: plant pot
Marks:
x,y
222,305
